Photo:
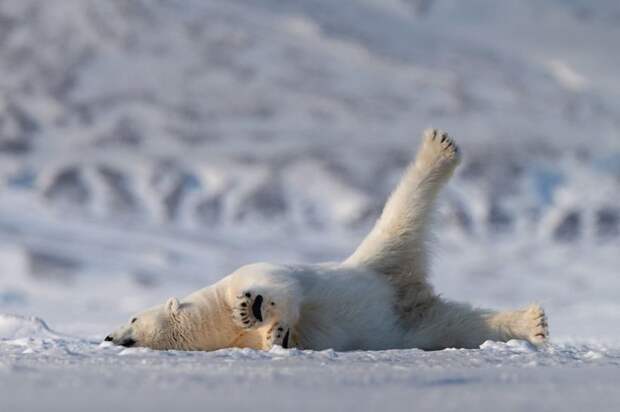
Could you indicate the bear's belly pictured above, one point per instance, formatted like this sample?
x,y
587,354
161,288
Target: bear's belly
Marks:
x,y
344,329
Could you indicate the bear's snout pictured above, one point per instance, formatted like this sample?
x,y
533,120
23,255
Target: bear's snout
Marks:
x,y
128,343
122,341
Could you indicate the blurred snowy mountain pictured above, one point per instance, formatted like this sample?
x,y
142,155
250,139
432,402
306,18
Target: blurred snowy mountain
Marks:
x,y
144,138
213,113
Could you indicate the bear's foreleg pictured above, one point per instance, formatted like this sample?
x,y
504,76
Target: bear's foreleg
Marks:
x,y
271,308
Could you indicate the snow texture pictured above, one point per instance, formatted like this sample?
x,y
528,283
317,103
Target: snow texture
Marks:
x,y
148,148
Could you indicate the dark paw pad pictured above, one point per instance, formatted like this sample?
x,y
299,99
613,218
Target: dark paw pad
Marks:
x,y
249,309
256,308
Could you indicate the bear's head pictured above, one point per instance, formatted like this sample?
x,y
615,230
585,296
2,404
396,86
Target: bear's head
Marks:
x,y
157,328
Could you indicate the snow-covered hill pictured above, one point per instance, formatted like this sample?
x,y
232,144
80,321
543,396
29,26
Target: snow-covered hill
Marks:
x,y
147,148
208,114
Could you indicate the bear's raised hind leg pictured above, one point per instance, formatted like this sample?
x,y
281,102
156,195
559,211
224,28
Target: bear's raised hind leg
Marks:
x,y
396,246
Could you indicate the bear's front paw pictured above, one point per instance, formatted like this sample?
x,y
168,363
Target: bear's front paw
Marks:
x,y
279,334
251,309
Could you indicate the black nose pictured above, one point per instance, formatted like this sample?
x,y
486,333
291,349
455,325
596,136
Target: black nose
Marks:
x,y
128,343
108,338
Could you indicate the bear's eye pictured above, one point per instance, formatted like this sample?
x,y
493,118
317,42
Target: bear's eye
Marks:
x,y
134,320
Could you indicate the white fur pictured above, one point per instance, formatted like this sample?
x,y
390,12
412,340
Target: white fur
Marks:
x,y
378,298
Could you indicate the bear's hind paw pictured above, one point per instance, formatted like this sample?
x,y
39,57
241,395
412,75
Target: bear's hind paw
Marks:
x,y
438,150
538,325
532,325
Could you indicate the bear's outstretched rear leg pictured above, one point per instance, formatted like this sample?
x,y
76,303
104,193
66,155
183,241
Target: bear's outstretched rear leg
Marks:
x,y
456,325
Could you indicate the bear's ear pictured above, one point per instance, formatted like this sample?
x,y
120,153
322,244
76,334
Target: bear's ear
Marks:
x,y
172,306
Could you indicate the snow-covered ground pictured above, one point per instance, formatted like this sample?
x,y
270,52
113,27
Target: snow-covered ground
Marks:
x,y
45,371
148,148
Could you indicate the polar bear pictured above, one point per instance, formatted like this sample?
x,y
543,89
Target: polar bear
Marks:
x,y
378,298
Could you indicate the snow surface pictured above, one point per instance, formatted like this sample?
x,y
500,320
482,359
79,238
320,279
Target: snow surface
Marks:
x,y
77,374
148,148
